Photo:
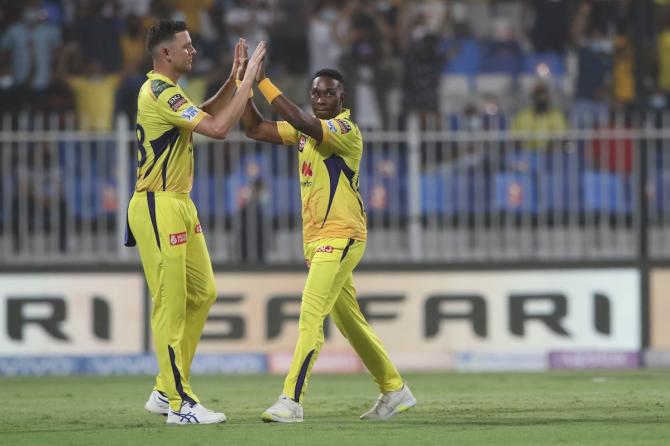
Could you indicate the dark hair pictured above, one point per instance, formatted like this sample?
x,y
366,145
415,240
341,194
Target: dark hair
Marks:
x,y
163,31
331,73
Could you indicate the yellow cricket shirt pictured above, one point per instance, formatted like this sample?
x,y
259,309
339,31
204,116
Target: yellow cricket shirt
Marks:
x,y
329,173
165,122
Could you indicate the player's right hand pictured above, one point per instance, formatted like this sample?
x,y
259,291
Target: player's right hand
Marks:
x,y
256,61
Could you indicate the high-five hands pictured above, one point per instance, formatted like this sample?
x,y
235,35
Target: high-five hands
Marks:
x,y
255,64
243,64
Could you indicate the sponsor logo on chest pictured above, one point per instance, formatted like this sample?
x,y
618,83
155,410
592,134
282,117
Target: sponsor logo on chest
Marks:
x,y
306,169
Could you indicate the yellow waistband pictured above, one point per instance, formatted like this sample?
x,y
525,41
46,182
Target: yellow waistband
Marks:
x,y
164,193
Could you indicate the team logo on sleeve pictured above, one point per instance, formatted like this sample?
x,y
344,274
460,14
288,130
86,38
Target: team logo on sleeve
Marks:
x,y
178,238
176,101
343,125
158,86
301,143
331,126
198,229
190,113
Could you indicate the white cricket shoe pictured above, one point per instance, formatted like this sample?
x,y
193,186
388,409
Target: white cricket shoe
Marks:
x,y
389,404
194,414
157,403
285,410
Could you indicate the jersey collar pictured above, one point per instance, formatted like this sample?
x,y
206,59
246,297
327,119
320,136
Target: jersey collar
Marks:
x,y
155,75
344,114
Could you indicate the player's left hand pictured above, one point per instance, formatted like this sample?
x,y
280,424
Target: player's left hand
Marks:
x,y
243,59
236,60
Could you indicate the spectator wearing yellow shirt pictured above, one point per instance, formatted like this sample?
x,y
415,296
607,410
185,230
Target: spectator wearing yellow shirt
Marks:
x,y
94,97
624,70
663,57
135,63
539,117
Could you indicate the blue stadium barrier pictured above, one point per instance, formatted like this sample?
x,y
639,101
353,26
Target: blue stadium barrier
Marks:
x,y
447,194
467,59
660,203
514,192
285,195
555,63
556,194
395,203
501,57
606,192
210,196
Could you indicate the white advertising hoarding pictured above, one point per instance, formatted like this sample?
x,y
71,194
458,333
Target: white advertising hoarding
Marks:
x,y
423,318
442,312
74,314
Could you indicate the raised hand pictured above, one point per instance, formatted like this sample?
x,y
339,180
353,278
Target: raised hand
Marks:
x,y
236,59
243,59
256,61
260,73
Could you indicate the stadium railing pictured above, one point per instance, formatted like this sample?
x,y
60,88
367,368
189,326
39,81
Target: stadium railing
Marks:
x,y
432,195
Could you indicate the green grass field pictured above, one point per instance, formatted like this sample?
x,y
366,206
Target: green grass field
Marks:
x,y
594,408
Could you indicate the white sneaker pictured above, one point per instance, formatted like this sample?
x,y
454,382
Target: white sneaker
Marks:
x,y
194,414
157,403
285,410
389,404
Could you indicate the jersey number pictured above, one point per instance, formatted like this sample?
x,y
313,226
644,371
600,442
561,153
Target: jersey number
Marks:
x,y
139,132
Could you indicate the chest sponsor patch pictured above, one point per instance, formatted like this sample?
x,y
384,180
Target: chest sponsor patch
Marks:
x,y
344,126
326,248
190,113
178,238
306,169
301,143
198,229
176,101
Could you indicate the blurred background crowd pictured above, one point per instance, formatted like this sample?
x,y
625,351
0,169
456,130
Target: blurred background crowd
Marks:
x,y
538,59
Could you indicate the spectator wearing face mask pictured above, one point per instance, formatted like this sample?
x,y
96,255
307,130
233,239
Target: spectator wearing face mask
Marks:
x,y
324,49
539,117
594,49
27,49
365,57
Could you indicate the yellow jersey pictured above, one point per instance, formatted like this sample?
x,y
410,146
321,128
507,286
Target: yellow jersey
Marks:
x,y
165,121
329,173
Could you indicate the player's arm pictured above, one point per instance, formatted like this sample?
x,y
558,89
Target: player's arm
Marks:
x,y
254,124
294,115
214,104
256,127
218,125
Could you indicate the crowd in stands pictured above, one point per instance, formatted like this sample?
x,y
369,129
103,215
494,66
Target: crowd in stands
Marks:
x,y
528,65
537,58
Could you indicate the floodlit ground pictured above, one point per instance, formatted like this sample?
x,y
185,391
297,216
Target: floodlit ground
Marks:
x,y
586,408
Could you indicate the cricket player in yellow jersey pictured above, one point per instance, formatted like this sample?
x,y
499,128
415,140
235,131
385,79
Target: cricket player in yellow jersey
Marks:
x,y
330,147
162,219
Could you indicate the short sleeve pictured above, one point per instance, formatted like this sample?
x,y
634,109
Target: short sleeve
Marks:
x,y
75,83
288,134
176,108
342,136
